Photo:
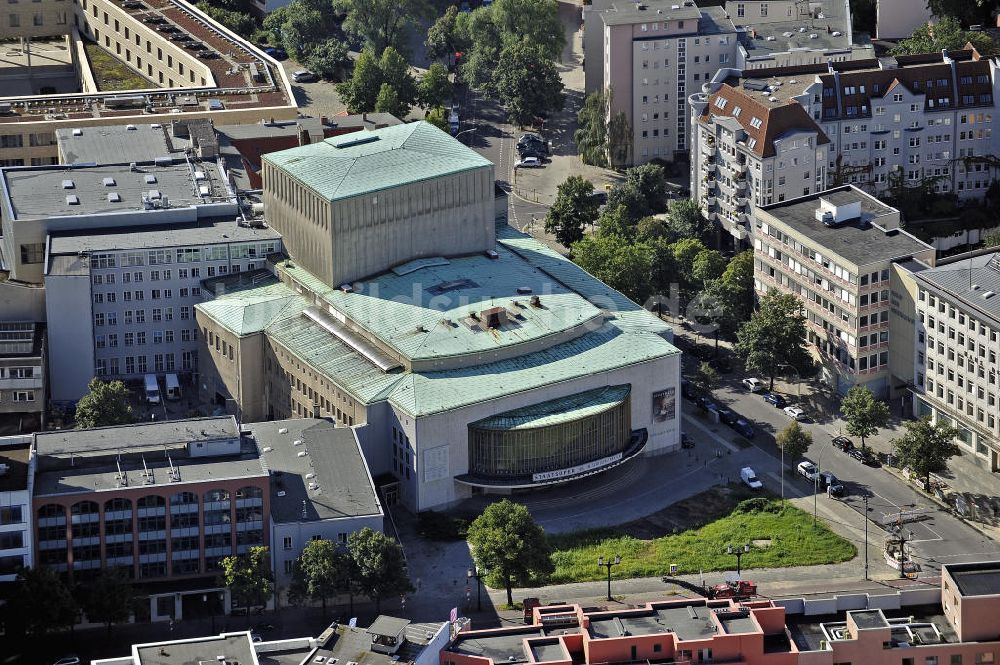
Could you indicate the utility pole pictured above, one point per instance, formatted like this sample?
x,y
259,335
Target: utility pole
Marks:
x,y
866,536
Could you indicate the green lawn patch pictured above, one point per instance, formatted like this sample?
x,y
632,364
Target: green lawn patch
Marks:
x,y
110,74
785,537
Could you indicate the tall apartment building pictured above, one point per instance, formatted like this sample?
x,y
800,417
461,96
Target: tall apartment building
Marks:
x,y
470,358
23,373
953,317
163,503
913,118
836,251
951,624
15,509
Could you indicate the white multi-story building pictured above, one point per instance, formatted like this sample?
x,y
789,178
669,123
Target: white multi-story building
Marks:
x,y
911,118
15,507
22,376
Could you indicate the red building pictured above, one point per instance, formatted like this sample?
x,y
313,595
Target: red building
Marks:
x,y
163,502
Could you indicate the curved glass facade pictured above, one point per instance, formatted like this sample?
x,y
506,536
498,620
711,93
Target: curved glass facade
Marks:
x,y
552,436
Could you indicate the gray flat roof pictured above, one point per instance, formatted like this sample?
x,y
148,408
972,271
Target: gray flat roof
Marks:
x,y
813,34
113,143
626,12
136,435
958,278
977,579
236,647
291,127
502,646
204,232
354,645
860,244
808,632
691,621
41,191
345,488
387,625
868,619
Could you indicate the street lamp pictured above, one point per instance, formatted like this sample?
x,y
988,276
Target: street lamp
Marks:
x,y
475,574
466,131
738,552
601,563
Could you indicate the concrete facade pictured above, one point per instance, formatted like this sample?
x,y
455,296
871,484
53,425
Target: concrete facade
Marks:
x,y
23,372
16,532
897,19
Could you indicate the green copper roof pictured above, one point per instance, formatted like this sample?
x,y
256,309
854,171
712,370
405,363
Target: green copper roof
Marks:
x,y
361,162
556,411
250,310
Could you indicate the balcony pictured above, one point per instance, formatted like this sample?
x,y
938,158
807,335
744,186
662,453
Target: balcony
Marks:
x,y
710,201
739,232
711,185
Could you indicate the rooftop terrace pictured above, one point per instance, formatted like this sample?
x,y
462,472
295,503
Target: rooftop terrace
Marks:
x,y
914,624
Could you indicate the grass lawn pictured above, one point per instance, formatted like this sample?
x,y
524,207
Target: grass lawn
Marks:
x,y
784,537
110,74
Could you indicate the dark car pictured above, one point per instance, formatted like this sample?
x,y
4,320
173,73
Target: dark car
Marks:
x,y
727,416
275,52
531,152
154,20
687,390
600,196
775,399
743,427
706,404
721,364
686,441
843,443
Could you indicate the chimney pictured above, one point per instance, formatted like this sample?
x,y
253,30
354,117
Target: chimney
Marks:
x,y
303,136
364,118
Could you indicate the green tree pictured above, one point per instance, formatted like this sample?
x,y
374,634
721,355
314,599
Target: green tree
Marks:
x,y
708,265
329,59
591,137
945,34
536,21
968,12
435,86
651,182
379,565
483,41
380,23
360,92
575,207
509,546
615,220
686,221
443,39
794,441
109,599
926,448
396,72
248,577
438,117
42,602
992,239
627,195
105,404
388,102
239,22
623,265
527,82
864,414
322,571
738,281
302,31
619,141
706,377
685,253
275,21
774,336
652,228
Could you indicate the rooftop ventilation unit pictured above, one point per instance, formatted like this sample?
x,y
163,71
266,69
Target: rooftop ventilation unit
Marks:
x,y
68,184
154,195
77,132
204,190
524,290
297,442
536,301
987,295
130,128
356,142
150,179
813,35
108,182
199,175
301,453
114,197
771,38
73,200
836,33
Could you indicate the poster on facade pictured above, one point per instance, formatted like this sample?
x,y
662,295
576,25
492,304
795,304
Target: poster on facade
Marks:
x,y
436,464
664,405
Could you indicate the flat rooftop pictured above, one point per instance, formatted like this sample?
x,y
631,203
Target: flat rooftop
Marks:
x,y
347,644
957,278
827,28
235,647
976,579
914,624
624,12
692,621
111,144
61,191
333,463
860,243
16,459
136,436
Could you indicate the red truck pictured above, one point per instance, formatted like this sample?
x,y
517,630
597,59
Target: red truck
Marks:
x,y
738,590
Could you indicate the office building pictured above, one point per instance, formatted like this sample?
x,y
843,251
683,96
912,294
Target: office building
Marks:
x,y
162,502
471,353
23,371
51,83
954,318
912,119
952,623
836,251
15,508
320,487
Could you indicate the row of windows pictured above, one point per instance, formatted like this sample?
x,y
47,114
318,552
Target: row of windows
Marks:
x,y
183,255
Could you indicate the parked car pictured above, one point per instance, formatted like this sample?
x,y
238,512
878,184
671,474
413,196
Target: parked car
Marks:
x,y
744,428
795,413
865,457
304,76
727,416
753,385
179,37
686,441
531,152
528,163
687,390
775,399
528,136
275,52
843,443
600,196
705,403
807,470
750,478
721,364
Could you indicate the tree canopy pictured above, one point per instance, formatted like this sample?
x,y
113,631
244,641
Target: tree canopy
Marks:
x,y
968,12
864,414
329,59
623,265
371,74
527,82
926,447
380,568
945,34
109,599
301,26
793,441
684,219
435,86
591,136
381,23
105,404
322,571
575,207
438,117
443,39
509,547
42,601
775,336
248,577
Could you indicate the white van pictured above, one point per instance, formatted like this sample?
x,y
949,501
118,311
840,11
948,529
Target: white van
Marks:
x,y
152,389
173,386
